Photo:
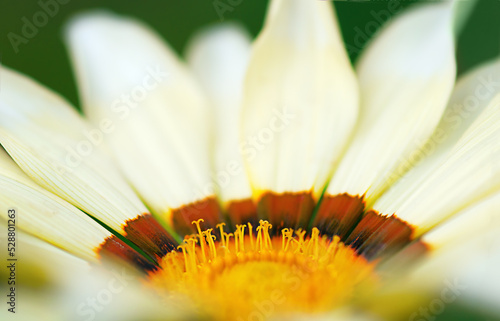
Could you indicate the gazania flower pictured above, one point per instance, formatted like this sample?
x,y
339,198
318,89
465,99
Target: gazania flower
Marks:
x,y
263,180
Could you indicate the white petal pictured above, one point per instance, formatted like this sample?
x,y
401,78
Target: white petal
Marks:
x,y
160,138
45,215
56,286
469,172
219,57
43,260
273,8
55,147
472,93
406,76
300,99
479,219
465,253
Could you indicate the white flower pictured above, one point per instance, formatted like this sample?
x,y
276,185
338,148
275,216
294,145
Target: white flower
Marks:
x,y
344,188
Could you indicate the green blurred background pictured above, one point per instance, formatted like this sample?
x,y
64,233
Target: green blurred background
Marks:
x,y
44,56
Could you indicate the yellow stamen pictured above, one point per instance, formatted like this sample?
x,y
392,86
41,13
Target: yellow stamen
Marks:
x,y
228,236
211,244
250,231
301,273
202,238
285,233
220,226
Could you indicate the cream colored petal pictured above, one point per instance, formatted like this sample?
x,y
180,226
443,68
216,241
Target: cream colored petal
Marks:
x,y
481,282
471,235
406,76
472,93
273,7
478,219
469,172
300,99
60,152
27,206
465,256
219,57
41,270
53,285
43,264
129,77
462,260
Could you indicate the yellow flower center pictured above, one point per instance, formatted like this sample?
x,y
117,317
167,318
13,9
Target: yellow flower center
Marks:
x,y
252,275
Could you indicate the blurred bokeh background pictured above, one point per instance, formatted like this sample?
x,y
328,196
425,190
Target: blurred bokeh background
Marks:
x,y
44,57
